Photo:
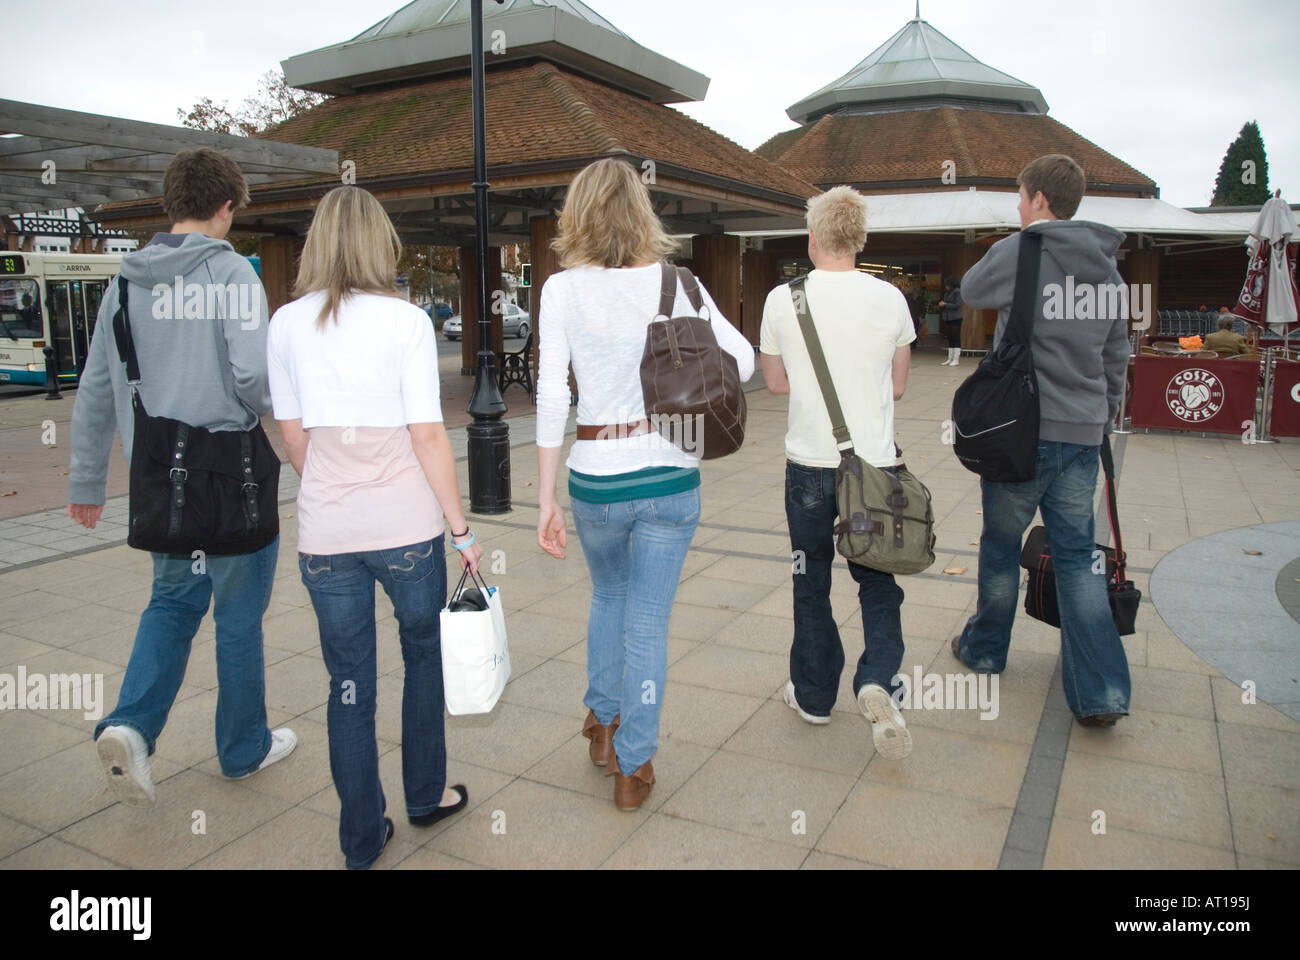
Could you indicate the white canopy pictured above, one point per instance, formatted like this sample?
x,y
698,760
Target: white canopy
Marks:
x,y
946,211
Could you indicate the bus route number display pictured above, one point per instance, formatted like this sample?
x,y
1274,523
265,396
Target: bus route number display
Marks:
x,y
10,263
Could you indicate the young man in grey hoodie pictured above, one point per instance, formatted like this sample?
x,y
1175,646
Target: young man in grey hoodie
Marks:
x,y
198,318
1080,354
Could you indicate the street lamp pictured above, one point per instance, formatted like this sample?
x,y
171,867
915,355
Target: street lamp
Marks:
x,y
488,434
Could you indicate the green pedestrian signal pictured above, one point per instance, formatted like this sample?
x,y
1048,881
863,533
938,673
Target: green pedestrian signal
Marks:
x,y
528,274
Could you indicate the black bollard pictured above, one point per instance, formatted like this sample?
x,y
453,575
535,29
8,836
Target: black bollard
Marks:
x,y
51,376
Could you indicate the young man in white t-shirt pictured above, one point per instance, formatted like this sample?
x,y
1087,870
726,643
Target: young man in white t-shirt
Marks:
x,y
865,327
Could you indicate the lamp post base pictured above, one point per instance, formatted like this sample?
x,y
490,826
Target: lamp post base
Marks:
x,y
489,466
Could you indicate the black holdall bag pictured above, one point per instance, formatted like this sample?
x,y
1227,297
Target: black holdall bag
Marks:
x,y
886,519
192,488
1040,592
690,385
995,412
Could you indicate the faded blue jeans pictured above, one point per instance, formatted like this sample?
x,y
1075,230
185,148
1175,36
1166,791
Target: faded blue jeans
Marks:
x,y
635,551
1093,664
342,588
239,589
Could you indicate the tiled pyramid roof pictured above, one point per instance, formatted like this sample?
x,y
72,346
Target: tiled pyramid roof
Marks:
x,y
535,112
911,146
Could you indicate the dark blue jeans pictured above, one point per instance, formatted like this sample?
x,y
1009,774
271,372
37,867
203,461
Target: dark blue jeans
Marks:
x,y
239,589
817,655
1094,667
342,588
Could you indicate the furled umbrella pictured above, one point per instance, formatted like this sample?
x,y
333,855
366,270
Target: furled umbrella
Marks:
x,y
1269,297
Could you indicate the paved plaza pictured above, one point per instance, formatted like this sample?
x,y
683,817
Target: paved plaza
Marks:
x,y
1196,777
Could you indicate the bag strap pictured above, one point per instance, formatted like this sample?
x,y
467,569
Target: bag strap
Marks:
x,y
122,334
1108,465
799,293
669,275
1020,325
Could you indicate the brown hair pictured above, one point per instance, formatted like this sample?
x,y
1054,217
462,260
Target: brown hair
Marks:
x,y
199,182
608,220
351,247
1060,179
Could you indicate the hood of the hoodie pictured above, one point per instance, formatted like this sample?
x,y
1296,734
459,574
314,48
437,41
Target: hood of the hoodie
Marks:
x,y
164,259
1080,248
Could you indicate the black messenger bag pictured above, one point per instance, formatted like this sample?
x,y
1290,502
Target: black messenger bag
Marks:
x,y
192,488
995,412
1036,557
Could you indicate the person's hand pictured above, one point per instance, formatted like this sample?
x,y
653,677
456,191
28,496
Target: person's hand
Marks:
x,y
470,556
551,535
85,514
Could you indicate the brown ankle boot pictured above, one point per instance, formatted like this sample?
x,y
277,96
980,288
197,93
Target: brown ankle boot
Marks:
x,y
630,791
602,741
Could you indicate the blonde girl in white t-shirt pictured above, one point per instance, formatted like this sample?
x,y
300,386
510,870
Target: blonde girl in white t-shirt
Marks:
x,y
354,385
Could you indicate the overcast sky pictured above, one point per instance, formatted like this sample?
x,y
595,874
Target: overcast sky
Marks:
x,y
1164,85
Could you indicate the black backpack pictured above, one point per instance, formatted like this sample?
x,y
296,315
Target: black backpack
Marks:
x,y
995,412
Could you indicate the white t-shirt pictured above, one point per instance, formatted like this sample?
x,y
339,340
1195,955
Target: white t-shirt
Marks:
x,y
356,385
376,367
860,321
596,318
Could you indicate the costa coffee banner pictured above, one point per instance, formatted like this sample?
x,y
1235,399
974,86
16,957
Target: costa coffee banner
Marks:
x,y
1208,396
1285,421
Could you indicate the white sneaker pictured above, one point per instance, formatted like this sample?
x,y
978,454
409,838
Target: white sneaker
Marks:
x,y
282,743
888,730
125,757
793,704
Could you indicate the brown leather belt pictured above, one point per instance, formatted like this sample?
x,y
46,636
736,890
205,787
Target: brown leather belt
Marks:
x,y
613,431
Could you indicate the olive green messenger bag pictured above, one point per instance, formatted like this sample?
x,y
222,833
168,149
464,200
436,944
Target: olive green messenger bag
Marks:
x,y
886,521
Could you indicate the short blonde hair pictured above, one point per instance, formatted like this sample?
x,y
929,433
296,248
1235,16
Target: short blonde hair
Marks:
x,y
837,219
608,221
352,247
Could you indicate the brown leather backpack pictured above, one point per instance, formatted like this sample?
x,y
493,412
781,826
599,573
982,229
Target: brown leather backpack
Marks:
x,y
691,386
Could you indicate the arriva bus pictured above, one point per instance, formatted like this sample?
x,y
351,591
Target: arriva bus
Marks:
x,y
49,299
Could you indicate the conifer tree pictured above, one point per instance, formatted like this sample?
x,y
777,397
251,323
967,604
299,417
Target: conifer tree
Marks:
x,y
1243,175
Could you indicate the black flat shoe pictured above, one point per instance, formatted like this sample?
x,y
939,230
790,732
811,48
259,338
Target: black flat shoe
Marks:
x,y
442,813
388,832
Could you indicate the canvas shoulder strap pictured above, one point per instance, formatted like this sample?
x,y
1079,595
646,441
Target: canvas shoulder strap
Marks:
x,y
1020,325
122,334
799,293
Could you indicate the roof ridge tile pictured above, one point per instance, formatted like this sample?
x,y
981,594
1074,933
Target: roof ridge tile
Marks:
x,y
556,83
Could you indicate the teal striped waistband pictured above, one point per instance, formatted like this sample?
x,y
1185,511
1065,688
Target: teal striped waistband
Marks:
x,y
637,485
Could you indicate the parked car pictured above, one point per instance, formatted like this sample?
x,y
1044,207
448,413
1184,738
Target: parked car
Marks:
x,y
437,310
515,322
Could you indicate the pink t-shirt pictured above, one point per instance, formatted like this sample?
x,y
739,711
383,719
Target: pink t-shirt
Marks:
x,y
363,489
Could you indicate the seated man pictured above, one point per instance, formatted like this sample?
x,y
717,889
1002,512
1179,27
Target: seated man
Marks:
x,y
1224,341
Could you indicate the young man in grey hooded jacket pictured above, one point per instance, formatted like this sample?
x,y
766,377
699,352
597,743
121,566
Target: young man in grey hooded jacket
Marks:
x,y
1080,349
198,317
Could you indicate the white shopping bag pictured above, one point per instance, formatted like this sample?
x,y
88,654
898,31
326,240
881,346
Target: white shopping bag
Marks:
x,y
475,657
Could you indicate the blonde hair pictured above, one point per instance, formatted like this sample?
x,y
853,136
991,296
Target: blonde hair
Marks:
x,y
837,219
351,247
608,221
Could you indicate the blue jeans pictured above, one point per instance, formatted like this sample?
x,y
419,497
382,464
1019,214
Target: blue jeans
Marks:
x,y
342,588
239,588
635,551
1093,664
817,655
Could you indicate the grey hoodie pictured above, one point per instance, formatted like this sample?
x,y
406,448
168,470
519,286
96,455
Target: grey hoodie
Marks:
x,y
201,346
1080,362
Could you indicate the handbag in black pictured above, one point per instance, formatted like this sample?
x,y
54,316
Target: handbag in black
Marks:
x,y
1036,557
995,412
192,488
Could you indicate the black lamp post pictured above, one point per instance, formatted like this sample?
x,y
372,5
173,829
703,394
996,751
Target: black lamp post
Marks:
x,y
488,434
